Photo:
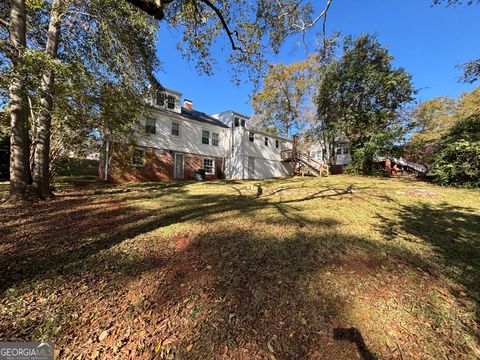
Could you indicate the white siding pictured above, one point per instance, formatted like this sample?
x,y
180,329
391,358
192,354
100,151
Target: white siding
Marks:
x,y
189,140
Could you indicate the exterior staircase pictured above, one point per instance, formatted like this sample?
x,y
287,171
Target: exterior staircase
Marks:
x,y
305,164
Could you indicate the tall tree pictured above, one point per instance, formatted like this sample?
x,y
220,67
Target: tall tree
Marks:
x,y
359,97
41,162
89,50
432,120
285,97
15,50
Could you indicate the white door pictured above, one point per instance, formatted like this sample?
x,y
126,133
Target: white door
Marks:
x,y
251,167
178,166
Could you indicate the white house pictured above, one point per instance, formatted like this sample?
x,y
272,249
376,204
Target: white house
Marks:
x,y
341,157
175,142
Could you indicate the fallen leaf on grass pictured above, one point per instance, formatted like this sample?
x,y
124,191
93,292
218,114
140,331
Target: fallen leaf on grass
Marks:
x,y
270,346
103,335
189,347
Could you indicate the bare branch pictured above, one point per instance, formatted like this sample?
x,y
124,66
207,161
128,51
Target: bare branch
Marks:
x,y
230,33
304,27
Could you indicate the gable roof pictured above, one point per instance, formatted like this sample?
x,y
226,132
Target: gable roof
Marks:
x,y
201,117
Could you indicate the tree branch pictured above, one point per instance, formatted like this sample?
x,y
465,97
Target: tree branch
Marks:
x,y
230,33
304,27
152,8
4,23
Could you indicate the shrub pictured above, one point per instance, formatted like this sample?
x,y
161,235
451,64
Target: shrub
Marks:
x,y
457,161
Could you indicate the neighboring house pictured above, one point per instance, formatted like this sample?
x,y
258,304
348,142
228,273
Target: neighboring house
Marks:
x,y
339,160
175,141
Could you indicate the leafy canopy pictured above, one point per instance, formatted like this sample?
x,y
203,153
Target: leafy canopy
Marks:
x,y
433,119
359,98
457,162
285,98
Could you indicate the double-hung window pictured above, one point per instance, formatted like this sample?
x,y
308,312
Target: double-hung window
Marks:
x,y
205,137
215,139
175,129
150,126
208,166
171,102
277,144
266,141
251,136
161,99
237,122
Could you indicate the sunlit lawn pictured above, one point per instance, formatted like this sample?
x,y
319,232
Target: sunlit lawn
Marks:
x,y
333,268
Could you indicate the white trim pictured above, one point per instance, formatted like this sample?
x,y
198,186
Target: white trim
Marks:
x,y
213,165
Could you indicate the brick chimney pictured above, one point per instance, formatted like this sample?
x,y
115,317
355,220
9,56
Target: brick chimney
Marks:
x,y
188,104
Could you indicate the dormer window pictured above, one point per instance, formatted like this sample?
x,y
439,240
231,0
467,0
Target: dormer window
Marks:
x,y
171,102
239,122
166,100
160,99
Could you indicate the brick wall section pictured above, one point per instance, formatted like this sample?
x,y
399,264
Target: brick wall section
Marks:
x,y
158,165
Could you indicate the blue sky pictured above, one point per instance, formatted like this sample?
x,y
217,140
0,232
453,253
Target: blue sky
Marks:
x,y
427,41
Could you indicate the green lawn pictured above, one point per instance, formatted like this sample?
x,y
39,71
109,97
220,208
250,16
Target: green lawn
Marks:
x,y
333,268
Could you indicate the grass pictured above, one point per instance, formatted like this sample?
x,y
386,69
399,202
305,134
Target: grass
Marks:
x,y
338,268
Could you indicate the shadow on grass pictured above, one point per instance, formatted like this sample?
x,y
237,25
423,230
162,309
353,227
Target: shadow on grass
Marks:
x,y
258,282
452,231
47,238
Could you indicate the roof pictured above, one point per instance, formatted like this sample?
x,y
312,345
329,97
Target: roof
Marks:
x,y
236,113
201,117
266,133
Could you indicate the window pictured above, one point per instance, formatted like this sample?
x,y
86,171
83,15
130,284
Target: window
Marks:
x,y
243,122
237,122
171,102
277,144
215,139
266,141
345,150
160,99
138,157
150,126
175,129
251,136
205,137
208,166
339,150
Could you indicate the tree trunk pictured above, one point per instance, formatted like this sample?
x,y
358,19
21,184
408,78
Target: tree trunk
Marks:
x,y
41,177
19,147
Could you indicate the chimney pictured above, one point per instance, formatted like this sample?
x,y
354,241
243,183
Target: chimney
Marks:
x,y
188,104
